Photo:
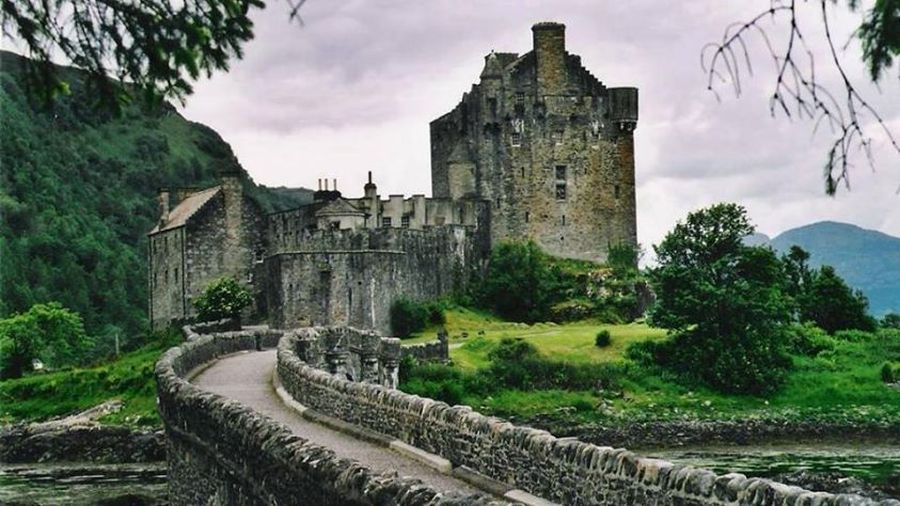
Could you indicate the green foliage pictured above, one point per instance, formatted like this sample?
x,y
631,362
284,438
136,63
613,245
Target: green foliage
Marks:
x,y
887,373
409,316
603,339
833,305
48,332
223,298
78,195
157,45
723,302
130,379
879,34
623,258
520,284
809,340
890,321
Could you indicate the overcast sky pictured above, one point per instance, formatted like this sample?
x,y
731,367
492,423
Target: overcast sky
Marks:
x,y
355,87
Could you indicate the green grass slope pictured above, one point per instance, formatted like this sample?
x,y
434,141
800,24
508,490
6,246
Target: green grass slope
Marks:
x,y
78,194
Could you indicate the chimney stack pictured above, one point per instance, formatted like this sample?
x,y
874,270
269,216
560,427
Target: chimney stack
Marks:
x,y
550,53
163,206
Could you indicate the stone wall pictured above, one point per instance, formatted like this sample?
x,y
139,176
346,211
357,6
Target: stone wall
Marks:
x,y
432,351
356,355
563,470
351,277
223,453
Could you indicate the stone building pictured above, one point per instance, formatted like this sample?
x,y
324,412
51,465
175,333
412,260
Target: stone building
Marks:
x,y
202,235
548,145
538,149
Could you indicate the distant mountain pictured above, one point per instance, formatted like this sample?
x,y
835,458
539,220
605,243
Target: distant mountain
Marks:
x,y
867,259
78,190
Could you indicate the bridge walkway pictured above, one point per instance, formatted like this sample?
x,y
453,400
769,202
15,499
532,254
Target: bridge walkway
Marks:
x,y
247,378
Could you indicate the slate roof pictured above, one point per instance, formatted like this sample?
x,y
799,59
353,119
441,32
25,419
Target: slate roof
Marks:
x,y
179,216
339,207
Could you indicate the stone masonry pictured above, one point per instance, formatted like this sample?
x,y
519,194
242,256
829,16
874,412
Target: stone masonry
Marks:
x,y
539,149
548,145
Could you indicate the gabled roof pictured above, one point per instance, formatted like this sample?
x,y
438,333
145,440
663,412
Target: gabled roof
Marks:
x,y
339,207
179,216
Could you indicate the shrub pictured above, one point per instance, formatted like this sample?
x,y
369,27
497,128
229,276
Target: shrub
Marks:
x,y
887,373
520,285
48,332
603,339
408,317
807,339
223,298
854,336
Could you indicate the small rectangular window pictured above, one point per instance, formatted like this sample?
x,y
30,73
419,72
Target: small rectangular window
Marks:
x,y
617,191
335,225
564,220
520,98
561,191
526,216
516,139
523,171
558,137
404,221
498,202
560,172
176,274
386,221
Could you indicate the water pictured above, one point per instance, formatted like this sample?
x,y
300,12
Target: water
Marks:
x,y
875,465
83,484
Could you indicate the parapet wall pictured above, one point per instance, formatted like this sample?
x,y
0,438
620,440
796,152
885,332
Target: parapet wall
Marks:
x,y
222,452
563,470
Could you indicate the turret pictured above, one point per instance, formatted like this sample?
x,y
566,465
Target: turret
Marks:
x,y
550,55
623,108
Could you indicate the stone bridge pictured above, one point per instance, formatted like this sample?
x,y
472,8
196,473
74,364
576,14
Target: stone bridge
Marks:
x,y
259,416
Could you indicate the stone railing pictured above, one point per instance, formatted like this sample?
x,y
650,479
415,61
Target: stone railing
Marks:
x,y
357,355
432,351
222,452
563,470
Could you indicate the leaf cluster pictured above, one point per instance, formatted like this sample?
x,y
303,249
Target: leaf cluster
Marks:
x,y
223,298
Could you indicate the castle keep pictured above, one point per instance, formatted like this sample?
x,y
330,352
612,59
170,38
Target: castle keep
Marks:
x,y
548,145
539,149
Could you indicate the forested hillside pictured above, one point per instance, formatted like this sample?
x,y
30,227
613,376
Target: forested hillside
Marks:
x,y
78,196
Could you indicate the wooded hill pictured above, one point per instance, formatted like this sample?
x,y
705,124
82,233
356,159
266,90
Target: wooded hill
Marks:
x,y
78,186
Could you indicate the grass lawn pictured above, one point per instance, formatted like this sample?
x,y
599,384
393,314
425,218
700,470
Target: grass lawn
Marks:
x,y
838,385
38,397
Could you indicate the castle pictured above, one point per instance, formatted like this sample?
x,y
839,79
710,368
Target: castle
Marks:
x,y
539,149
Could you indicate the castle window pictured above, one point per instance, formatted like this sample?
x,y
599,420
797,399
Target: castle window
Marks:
x,y
386,221
516,139
523,171
617,191
561,191
498,202
526,216
560,172
558,137
520,98
564,220
404,221
335,225
176,274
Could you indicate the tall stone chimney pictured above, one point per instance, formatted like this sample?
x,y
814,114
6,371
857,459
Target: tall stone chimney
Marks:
x,y
163,206
550,55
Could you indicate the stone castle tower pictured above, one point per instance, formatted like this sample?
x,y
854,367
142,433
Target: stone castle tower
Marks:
x,y
548,145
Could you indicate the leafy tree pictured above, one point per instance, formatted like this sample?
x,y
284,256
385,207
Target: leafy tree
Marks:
x,y
520,284
223,298
722,301
408,317
833,305
48,332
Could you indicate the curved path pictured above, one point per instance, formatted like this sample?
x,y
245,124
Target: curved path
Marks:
x,y
247,377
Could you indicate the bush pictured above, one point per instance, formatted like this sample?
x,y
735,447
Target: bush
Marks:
x,y
603,339
854,336
223,298
520,285
408,317
887,373
809,340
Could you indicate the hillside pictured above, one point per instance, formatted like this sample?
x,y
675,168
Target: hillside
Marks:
x,y
78,194
867,259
